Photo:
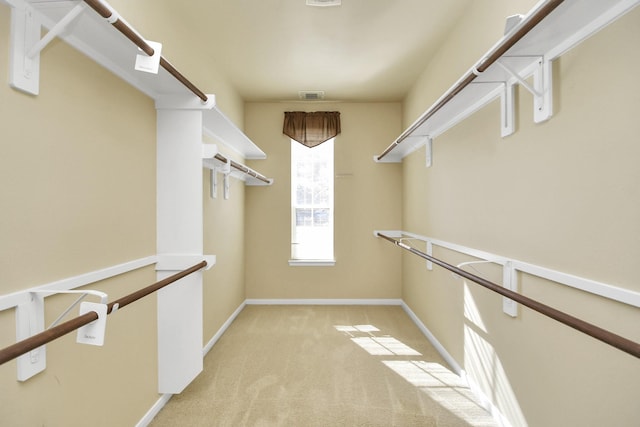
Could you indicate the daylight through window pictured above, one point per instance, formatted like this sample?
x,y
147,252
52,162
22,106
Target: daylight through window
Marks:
x,y
312,201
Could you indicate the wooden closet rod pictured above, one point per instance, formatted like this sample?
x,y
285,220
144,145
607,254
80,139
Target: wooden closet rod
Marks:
x,y
132,35
35,341
243,168
485,63
621,343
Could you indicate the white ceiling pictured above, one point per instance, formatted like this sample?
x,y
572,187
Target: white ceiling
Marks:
x,y
364,50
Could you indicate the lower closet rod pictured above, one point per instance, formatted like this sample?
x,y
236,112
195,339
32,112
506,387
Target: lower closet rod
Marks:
x,y
35,341
243,168
621,343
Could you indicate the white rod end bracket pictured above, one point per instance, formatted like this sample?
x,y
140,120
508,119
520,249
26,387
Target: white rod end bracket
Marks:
x,y
146,63
93,333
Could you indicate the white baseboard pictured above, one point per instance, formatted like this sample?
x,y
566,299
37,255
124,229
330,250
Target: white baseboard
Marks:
x,y
484,401
157,407
319,301
222,329
433,340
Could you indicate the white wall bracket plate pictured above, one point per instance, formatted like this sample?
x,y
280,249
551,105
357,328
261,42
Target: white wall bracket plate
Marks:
x,y
429,152
30,321
26,44
24,71
509,281
507,110
543,84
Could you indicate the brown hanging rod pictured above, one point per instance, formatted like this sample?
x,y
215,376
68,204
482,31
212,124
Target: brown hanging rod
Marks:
x,y
243,168
527,25
35,341
621,343
132,35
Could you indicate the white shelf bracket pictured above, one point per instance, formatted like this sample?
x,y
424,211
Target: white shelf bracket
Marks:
x,y
430,253
30,321
26,45
213,181
543,84
226,186
509,281
429,152
507,110
225,170
542,87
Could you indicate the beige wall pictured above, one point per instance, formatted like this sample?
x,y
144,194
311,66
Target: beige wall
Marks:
x,y
562,194
224,289
159,20
78,192
367,196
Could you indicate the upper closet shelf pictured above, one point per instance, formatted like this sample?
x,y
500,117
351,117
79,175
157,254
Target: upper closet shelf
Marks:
x,y
530,43
96,30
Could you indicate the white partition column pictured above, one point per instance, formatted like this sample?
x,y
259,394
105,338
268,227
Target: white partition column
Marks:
x,y
179,238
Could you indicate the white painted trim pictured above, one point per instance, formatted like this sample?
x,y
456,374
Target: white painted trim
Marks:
x,y
615,293
223,329
312,262
154,410
433,340
320,301
160,403
12,300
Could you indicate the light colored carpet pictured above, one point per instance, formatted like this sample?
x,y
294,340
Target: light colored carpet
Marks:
x,y
324,366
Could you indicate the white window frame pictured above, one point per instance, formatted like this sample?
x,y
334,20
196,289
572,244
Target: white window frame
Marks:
x,y
327,259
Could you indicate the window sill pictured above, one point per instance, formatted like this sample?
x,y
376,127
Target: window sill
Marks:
x,y
312,262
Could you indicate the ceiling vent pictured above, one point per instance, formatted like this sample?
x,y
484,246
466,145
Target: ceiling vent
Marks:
x,y
311,95
324,3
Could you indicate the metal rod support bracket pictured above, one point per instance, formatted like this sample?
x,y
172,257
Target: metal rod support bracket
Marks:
x,y
30,321
542,92
26,44
429,152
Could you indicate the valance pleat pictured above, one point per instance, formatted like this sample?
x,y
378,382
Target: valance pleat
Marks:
x,y
311,129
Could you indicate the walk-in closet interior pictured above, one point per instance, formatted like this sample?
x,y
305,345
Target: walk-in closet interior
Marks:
x,y
484,208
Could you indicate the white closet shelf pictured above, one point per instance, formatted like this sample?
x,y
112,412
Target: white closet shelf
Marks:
x,y
218,162
541,36
96,38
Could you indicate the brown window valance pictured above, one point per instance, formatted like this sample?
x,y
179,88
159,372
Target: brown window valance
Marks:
x,y
311,129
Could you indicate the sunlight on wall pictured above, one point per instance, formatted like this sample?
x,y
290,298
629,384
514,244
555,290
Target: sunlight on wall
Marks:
x,y
483,367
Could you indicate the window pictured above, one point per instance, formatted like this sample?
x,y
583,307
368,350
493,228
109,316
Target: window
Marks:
x,y
312,203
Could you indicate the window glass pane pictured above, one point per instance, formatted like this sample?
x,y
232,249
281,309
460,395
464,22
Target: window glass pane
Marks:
x,y
321,217
312,201
304,217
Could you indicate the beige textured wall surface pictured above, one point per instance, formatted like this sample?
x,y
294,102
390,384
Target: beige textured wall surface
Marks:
x,y
562,194
77,185
367,196
224,289
79,194
159,20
